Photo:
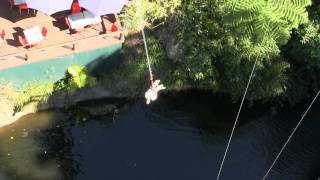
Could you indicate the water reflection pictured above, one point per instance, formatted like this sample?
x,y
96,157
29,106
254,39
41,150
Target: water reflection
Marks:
x,y
59,148
179,137
20,150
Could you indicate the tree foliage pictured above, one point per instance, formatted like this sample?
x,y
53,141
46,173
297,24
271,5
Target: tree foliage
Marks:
x,y
222,40
257,19
222,52
302,51
145,12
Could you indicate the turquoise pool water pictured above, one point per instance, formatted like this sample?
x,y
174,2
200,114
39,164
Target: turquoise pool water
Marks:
x,y
52,70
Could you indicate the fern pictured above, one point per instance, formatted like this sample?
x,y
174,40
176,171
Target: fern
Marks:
x,y
259,18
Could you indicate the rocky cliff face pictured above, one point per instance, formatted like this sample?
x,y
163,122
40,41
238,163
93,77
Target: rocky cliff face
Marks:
x,y
175,47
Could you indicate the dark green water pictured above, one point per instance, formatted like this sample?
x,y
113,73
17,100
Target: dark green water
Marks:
x,y
180,137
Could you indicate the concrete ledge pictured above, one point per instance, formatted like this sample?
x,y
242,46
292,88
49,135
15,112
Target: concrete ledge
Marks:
x,y
57,101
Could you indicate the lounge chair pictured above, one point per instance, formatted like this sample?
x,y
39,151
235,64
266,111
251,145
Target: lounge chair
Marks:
x,y
44,32
23,6
75,7
114,28
11,3
23,41
2,36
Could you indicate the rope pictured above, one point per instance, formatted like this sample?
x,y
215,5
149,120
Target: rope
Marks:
x,y
235,123
286,143
147,53
138,4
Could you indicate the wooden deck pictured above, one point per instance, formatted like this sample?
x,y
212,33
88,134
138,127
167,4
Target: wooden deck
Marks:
x,y
59,42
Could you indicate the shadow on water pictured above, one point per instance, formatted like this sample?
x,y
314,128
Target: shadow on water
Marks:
x,y
102,65
181,136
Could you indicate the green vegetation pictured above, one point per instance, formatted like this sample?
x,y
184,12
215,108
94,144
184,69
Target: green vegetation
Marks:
x,y
132,78
145,13
259,20
32,93
76,77
212,44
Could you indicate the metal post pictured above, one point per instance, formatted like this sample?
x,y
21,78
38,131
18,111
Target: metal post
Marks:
x,y
120,37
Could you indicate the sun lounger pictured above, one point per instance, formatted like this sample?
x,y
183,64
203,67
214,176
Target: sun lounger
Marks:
x,y
33,35
82,19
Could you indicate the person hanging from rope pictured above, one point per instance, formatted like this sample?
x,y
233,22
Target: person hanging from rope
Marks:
x,y
152,92
155,86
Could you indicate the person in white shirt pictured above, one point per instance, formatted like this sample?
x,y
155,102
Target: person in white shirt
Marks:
x,y
152,93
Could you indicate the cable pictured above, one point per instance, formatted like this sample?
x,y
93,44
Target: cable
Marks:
x,y
235,123
295,129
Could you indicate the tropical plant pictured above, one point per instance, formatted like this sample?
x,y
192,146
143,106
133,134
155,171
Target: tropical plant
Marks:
x,y
76,77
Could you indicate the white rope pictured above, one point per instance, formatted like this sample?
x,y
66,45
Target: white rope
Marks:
x,y
138,4
152,93
235,123
286,143
147,53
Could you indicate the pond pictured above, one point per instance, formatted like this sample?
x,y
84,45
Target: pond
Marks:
x,y
181,136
